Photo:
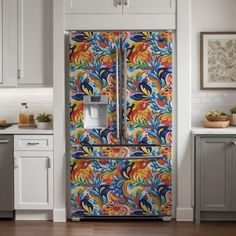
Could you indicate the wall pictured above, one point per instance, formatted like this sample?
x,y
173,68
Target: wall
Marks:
x,y
209,15
38,99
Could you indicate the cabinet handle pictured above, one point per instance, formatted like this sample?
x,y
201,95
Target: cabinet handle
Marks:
x,y
234,143
2,141
15,163
126,2
49,163
118,3
32,143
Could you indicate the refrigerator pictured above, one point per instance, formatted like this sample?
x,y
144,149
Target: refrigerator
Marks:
x,y
120,99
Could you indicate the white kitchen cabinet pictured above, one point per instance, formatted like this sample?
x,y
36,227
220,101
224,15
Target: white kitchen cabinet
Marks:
x,y
33,172
149,6
1,45
8,43
120,14
93,6
120,6
33,180
34,42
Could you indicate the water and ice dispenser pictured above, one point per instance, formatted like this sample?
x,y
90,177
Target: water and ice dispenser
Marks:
x,y
95,112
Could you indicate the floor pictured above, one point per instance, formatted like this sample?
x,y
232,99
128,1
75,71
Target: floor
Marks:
x,y
138,228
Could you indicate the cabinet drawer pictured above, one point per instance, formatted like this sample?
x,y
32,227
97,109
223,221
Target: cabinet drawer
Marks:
x,y
33,142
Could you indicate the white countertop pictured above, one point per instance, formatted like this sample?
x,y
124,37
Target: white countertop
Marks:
x,y
202,130
15,130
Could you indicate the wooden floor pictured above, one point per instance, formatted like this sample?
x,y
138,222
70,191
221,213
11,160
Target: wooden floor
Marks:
x,y
138,228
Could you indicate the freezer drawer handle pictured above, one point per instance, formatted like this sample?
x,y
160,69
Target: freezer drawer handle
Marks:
x,y
121,158
29,143
2,141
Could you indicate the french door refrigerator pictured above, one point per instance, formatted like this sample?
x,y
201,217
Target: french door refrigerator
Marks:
x,y
120,124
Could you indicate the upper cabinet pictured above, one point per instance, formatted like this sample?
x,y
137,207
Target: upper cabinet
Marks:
x,y
120,6
8,43
120,14
34,42
25,43
1,46
93,6
148,6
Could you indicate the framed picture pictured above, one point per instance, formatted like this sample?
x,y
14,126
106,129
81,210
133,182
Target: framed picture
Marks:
x,y
218,60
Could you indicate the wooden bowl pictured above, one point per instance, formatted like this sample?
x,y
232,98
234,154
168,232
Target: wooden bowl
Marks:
x,y
217,118
215,124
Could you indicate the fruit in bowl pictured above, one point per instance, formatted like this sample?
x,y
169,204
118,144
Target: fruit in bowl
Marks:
x,y
216,116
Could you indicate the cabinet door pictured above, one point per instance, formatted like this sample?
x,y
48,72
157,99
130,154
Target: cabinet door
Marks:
x,y
215,173
33,180
1,46
93,6
34,42
149,6
8,43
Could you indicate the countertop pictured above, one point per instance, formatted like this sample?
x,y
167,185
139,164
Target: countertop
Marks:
x,y
201,130
15,130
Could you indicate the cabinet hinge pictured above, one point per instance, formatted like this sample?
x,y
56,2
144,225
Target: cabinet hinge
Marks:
x,y
18,74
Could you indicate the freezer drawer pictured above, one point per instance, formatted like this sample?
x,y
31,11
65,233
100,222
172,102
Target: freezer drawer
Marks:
x,y
121,187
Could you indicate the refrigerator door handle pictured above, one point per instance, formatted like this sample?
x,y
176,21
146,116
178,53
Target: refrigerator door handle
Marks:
x,y
124,93
117,96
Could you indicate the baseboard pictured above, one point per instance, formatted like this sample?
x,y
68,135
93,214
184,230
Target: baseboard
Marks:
x,y
184,214
59,215
33,215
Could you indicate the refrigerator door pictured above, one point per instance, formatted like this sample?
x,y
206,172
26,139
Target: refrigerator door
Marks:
x,y
122,186
94,87
147,83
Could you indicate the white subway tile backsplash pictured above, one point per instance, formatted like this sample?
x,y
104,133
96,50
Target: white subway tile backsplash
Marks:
x,y
203,102
38,100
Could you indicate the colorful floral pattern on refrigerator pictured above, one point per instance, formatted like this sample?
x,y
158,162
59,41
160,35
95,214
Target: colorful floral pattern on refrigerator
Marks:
x,y
148,83
122,186
146,75
92,71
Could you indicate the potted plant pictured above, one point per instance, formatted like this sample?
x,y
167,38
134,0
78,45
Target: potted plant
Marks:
x,y
44,120
233,116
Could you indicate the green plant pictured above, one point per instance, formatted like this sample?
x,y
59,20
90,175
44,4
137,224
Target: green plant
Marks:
x,y
43,117
233,110
215,113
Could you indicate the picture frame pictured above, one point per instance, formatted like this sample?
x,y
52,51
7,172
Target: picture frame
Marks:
x,y
218,60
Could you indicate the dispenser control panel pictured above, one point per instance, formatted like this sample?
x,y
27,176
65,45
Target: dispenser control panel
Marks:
x,y
95,99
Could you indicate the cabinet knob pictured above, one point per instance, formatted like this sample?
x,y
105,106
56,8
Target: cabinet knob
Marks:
x,y
234,143
126,3
118,3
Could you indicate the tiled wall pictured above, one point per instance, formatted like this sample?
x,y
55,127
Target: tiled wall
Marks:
x,y
202,102
209,16
38,100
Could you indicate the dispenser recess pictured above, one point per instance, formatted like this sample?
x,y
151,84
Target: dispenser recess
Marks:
x,y
95,112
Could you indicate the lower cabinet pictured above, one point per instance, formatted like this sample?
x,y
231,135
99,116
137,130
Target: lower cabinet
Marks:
x,y
33,175
215,176
33,180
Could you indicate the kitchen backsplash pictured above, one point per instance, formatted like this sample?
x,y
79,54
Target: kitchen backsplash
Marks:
x,y
202,102
38,100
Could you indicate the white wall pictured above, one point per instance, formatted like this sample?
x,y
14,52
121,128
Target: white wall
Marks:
x,y
209,15
38,100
